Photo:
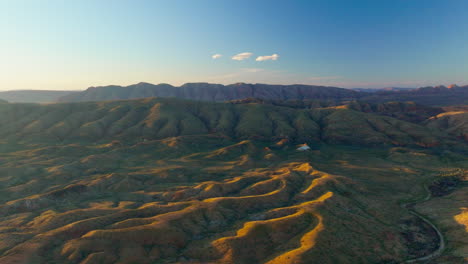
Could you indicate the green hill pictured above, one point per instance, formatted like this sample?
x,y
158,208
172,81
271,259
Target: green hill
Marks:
x,y
148,119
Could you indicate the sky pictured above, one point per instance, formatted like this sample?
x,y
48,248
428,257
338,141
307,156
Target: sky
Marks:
x,y
72,45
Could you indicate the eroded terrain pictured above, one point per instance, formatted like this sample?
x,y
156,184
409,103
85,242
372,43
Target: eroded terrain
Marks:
x,y
91,195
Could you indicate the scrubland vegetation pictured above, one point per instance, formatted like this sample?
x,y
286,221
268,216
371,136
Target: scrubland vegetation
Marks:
x,y
175,181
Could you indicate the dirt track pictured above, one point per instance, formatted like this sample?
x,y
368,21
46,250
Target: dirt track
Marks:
x,y
441,247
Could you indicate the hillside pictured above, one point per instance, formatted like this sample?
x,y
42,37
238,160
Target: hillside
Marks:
x,y
174,181
454,122
33,96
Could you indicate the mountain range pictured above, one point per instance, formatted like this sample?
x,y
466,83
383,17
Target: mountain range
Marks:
x,y
434,96
213,92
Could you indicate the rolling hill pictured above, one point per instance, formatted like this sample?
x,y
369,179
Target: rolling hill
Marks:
x,y
154,118
454,122
162,180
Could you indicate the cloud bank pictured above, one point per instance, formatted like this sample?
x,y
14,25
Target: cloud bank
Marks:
x,y
216,56
242,56
265,58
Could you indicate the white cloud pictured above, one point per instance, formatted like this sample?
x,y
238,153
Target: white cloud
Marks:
x,y
216,56
271,57
242,56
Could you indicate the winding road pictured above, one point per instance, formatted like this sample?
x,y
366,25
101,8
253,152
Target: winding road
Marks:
x,y
441,247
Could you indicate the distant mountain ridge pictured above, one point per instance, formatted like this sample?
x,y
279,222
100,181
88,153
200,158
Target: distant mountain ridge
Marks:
x,y
433,96
430,95
213,92
429,89
33,96
385,89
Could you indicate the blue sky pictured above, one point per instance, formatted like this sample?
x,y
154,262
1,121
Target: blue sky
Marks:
x,y
76,44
